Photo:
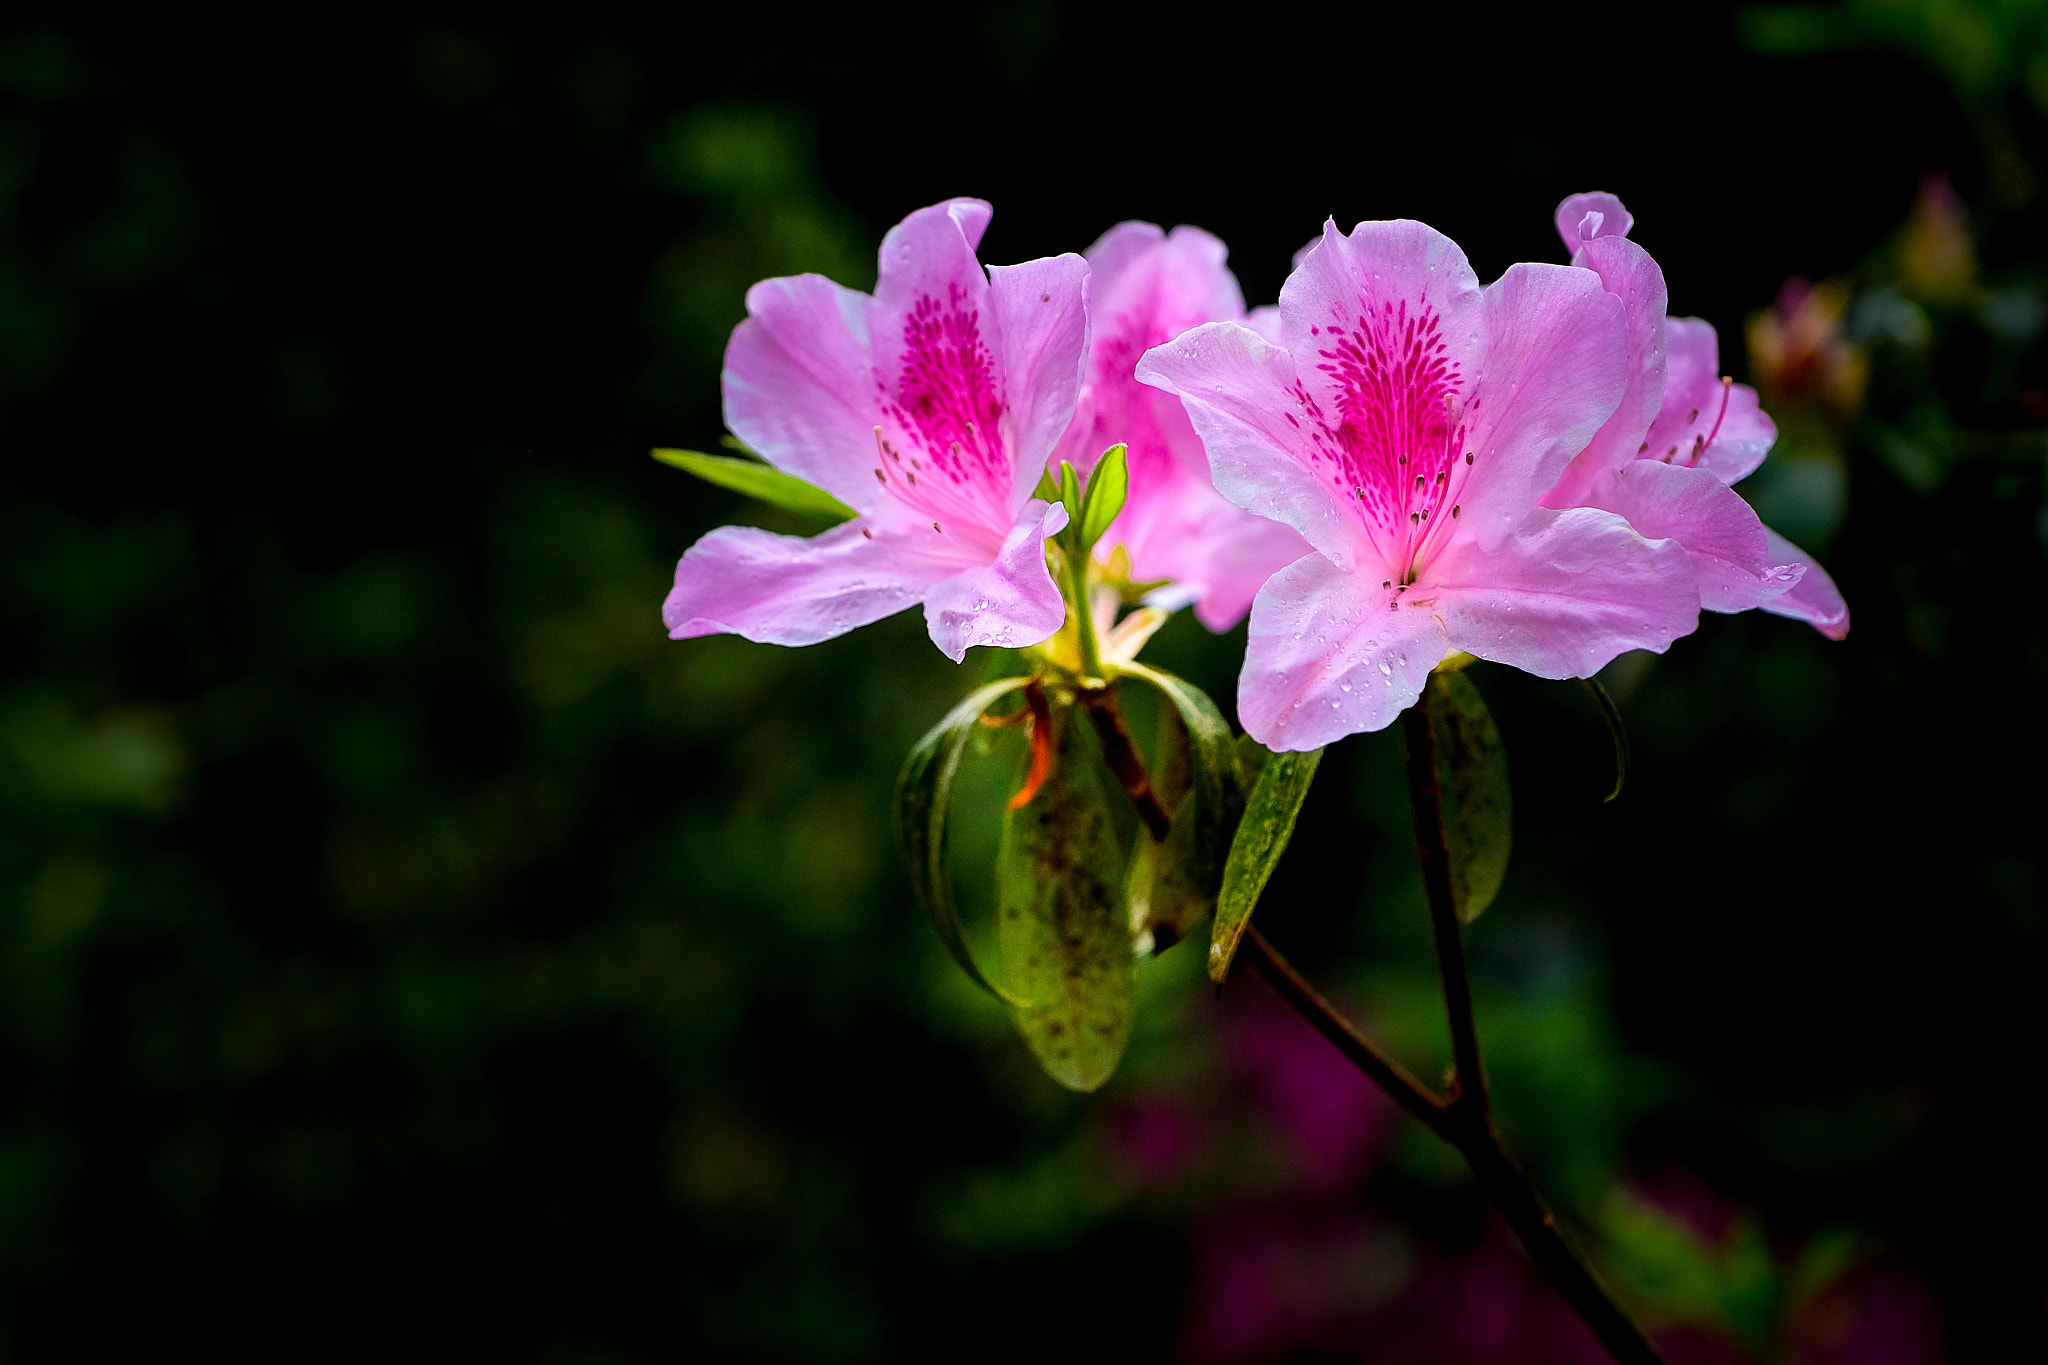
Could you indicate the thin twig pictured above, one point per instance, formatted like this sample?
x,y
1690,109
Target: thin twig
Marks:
x,y
1463,1120
1468,1084
1309,1003
1124,760
1469,1113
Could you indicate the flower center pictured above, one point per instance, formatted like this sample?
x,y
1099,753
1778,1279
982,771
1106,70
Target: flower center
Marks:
x,y
1395,444
946,462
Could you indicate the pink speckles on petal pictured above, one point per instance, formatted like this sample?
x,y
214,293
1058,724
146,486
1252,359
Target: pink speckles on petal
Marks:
x,y
1397,440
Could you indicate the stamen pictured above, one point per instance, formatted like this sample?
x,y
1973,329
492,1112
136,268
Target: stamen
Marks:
x,y
1727,384
1468,454
866,532
1455,509
940,529
881,478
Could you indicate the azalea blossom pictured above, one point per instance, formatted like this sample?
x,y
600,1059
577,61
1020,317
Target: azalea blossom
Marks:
x,y
1146,287
1682,436
930,409
1405,422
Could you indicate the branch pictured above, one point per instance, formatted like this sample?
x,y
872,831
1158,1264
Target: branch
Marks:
x,y
1309,1003
1468,1084
1124,759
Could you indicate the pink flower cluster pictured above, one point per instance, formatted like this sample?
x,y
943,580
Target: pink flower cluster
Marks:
x,y
1397,464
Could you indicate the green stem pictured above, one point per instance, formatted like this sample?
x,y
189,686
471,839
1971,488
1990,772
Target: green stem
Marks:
x,y
1084,619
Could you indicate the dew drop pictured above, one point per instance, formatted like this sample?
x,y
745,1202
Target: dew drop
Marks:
x,y
1386,668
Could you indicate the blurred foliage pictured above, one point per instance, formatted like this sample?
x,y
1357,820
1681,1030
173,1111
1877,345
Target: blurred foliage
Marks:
x,y
401,940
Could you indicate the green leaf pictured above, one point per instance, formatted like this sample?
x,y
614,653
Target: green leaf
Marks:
x,y
1478,810
1188,873
1070,495
761,481
1269,815
1062,925
1615,729
1108,485
924,794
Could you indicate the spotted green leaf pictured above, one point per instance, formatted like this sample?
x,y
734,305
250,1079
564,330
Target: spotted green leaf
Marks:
x,y
1269,814
1478,811
1064,932
924,794
1188,871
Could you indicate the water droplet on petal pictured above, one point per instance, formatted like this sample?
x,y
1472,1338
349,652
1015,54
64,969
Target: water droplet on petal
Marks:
x,y
1386,667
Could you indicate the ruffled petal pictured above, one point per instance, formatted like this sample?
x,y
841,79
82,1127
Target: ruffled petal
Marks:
x,y
1814,598
1012,602
1693,426
1556,366
1331,654
1582,218
1217,556
1731,560
1383,277
1240,391
1562,596
799,384
1040,315
793,590
1627,272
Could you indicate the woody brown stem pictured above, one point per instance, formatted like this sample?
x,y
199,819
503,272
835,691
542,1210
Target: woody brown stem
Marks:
x,y
1464,1118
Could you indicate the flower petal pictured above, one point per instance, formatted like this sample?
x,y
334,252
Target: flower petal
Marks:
x,y
1241,393
940,388
799,384
1628,273
1563,595
1693,425
1814,598
1331,655
1040,315
1556,366
793,590
1731,560
1572,224
1011,602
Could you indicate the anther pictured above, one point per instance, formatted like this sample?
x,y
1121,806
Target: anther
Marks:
x,y
880,477
1414,518
1692,416
1386,582
1418,481
1643,449
1455,509
1468,457
910,476
866,532
940,529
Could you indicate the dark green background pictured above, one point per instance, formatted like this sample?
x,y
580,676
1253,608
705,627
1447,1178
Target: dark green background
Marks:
x,y
405,949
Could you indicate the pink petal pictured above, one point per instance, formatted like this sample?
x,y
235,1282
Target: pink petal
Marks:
x,y
1555,367
1331,655
1266,322
1012,602
1693,426
1039,312
789,590
1614,220
1360,303
1814,598
1115,251
799,385
1217,556
943,398
1563,596
1720,532
1241,393
1628,273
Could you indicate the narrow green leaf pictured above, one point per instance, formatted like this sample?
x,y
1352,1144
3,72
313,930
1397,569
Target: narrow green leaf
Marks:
x,y
757,480
1070,495
1269,815
1251,761
1189,871
1108,485
1478,809
1064,932
1615,729
924,794
1048,489
734,443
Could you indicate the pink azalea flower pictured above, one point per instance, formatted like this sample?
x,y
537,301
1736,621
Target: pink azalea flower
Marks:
x,y
1405,422
930,409
1146,287
1681,438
